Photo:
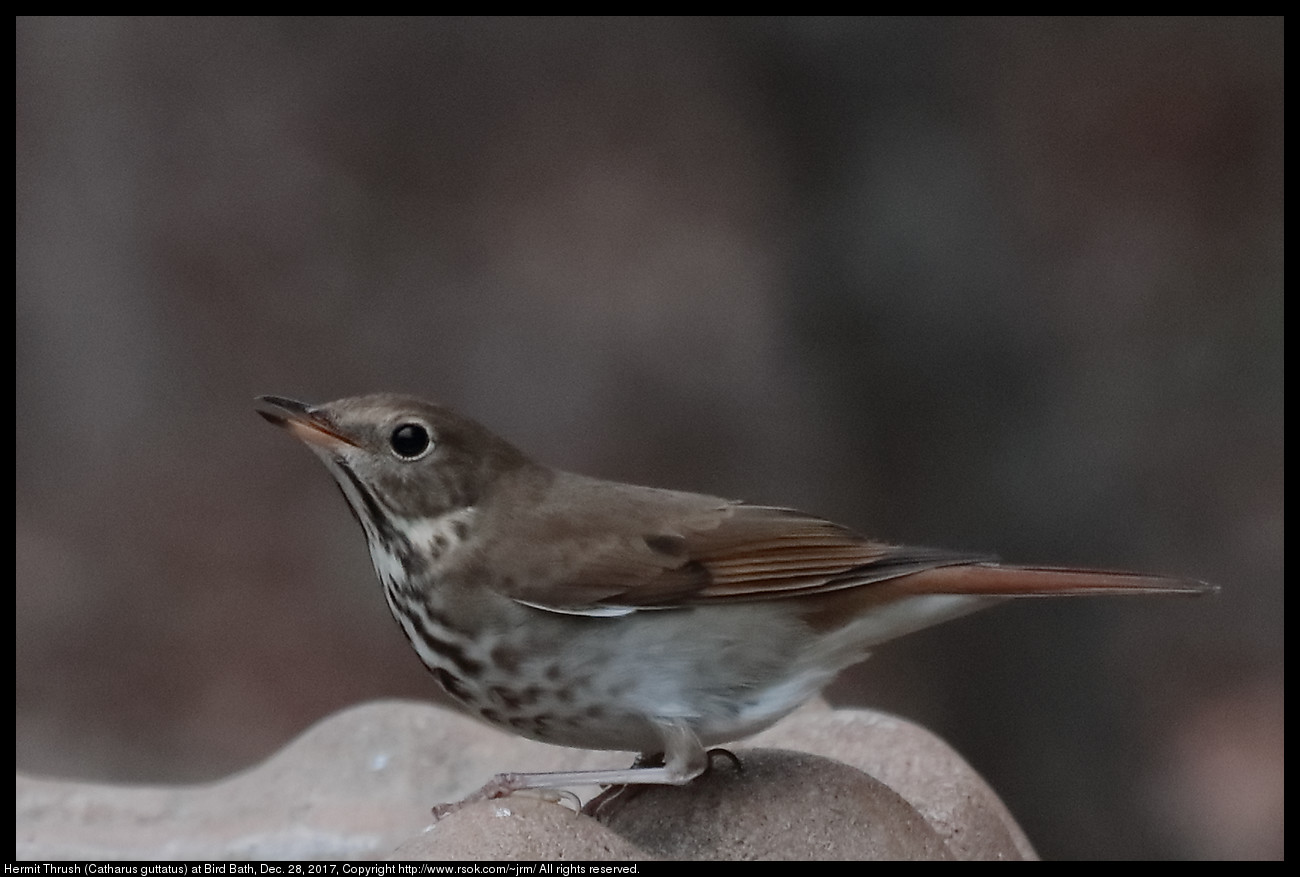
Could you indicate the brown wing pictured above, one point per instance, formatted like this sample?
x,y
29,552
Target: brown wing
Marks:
x,y
762,553
592,546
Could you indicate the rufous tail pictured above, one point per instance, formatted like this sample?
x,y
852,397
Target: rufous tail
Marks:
x,y
994,580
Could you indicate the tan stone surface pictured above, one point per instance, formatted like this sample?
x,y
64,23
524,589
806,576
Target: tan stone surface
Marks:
x,y
360,784
920,766
519,827
778,805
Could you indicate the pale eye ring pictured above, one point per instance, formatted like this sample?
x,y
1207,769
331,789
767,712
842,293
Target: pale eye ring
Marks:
x,y
410,440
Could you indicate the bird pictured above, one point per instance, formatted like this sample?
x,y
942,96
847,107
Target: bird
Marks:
x,y
599,615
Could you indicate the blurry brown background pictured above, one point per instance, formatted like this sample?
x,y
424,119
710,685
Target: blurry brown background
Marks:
x,y
1008,285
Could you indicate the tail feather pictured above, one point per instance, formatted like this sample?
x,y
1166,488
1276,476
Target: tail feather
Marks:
x,y
989,579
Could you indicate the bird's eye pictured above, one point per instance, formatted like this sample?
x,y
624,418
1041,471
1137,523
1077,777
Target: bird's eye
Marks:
x,y
410,441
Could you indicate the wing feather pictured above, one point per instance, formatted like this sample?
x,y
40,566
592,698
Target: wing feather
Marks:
x,y
587,546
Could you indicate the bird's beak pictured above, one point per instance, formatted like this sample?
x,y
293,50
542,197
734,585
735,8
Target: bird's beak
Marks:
x,y
304,422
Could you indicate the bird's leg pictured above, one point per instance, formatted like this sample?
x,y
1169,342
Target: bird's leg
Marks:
x,y
683,760
611,799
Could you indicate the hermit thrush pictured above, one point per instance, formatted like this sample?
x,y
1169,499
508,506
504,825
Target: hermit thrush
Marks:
x,y
600,615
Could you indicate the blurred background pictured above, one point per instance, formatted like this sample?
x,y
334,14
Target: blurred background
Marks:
x,y
999,285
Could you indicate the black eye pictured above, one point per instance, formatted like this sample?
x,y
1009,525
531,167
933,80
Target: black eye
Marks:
x,y
410,441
